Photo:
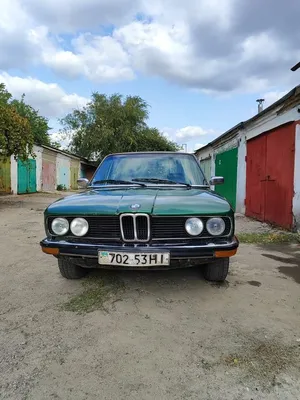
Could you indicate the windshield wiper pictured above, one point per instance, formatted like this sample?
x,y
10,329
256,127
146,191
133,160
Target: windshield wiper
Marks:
x,y
157,180
118,182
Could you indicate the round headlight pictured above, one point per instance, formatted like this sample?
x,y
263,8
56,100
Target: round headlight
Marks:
x,y
194,226
215,226
60,226
79,226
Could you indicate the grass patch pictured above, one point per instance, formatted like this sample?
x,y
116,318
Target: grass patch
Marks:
x,y
264,360
270,237
97,291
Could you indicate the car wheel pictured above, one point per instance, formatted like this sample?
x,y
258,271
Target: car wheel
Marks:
x,y
217,270
69,270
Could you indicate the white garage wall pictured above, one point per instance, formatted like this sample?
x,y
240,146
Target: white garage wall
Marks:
x,y
241,176
38,151
14,175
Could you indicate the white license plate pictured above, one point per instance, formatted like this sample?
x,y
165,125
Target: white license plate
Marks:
x,y
133,259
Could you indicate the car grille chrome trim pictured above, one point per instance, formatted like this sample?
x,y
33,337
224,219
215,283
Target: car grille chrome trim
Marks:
x,y
162,228
135,227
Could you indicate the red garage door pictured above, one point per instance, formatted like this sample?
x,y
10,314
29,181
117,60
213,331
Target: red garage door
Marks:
x,y
49,171
270,176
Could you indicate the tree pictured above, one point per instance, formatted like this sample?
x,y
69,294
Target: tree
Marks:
x,y
16,137
39,125
110,124
5,96
20,126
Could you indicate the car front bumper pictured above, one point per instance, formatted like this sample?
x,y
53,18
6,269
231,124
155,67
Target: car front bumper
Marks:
x,y
86,254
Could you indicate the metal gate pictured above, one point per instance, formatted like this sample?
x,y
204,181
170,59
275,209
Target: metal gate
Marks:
x,y
74,174
226,166
5,177
63,171
49,171
26,176
270,176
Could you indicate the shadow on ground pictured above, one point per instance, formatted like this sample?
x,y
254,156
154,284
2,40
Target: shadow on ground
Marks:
x,y
290,256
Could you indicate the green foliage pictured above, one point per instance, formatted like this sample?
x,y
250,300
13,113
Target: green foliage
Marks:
x,y
55,144
20,126
15,133
5,96
110,124
61,187
39,124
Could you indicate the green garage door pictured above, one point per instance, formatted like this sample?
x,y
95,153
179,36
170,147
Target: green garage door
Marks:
x,y
226,166
26,176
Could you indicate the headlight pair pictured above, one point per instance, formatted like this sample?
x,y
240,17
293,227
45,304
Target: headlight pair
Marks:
x,y
78,226
214,226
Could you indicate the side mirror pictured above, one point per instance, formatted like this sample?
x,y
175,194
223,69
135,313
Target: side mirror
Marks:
x,y
216,180
82,183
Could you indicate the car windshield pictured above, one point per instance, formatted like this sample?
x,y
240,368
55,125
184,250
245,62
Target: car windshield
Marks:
x,y
150,169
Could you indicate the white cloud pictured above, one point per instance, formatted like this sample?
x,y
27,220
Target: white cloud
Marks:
x,y
76,15
49,98
188,137
213,46
62,138
187,133
100,59
198,146
271,97
192,132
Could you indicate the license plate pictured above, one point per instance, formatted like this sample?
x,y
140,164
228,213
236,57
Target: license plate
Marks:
x,y
133,259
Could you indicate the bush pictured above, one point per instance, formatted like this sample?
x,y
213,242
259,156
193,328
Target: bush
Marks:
x,y
61,187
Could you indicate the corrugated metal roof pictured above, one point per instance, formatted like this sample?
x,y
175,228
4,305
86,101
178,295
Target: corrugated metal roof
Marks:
x,y
66,153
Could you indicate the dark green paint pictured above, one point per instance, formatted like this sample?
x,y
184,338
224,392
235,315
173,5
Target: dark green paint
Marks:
x,y
26,176
226,166
171,201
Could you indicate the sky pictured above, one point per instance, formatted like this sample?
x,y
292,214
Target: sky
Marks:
x,y
199,64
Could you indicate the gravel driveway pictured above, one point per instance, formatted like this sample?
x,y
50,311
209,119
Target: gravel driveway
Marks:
x,y
145,335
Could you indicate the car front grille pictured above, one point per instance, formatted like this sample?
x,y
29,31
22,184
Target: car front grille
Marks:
x,y
141,228
135,227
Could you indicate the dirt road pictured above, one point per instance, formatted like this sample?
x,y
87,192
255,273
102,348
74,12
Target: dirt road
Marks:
x,y
141,335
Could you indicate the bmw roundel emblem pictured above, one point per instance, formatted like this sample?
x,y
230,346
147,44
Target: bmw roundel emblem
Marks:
x,y
135,206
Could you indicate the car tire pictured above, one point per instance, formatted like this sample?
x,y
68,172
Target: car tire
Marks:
x,y
217,270
69,270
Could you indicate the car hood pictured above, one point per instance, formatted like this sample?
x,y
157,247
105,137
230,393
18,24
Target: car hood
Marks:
x,y
156,201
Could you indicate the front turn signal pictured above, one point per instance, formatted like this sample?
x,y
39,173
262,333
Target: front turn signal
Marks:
x,y
225,253
50,250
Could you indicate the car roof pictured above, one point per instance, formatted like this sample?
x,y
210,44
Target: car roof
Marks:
x,y
150,152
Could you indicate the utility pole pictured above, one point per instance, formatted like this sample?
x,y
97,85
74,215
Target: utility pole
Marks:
x,y
184,146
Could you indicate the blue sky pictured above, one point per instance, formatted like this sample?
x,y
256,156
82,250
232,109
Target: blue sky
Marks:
x,y
200,65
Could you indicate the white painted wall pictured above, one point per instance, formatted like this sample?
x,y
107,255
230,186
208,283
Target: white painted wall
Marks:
x,y
271,121
296,199
38,151
228,145
14,175
241,175
206,167
205,153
